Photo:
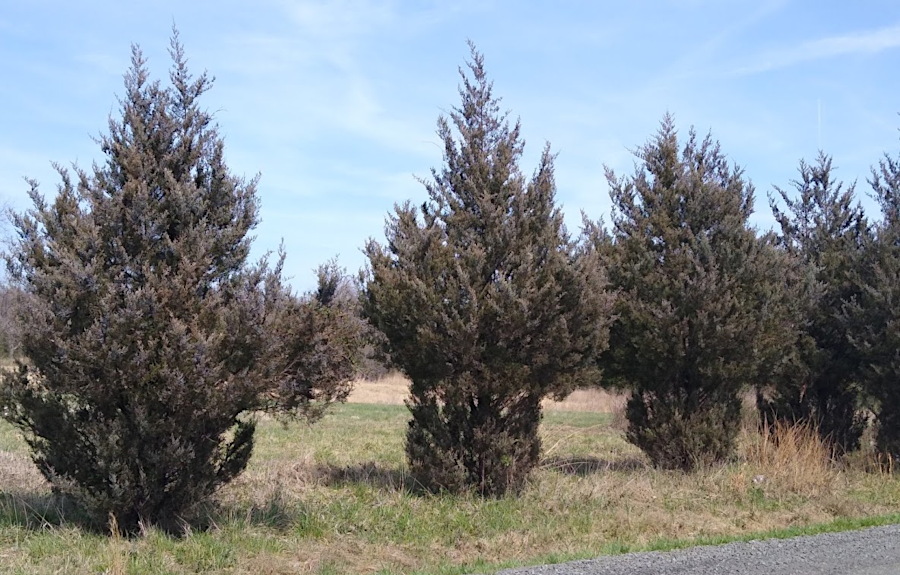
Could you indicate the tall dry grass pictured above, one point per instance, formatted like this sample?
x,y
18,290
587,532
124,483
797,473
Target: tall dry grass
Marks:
x,y
590,400
791,458
117,550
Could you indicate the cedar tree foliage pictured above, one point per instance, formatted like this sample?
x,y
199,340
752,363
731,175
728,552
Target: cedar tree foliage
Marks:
x,y
10,333
10,329
484,302
825,233
873,321
692,319
338,291
151,339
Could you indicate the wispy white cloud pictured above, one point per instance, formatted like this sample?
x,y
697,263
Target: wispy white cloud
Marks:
x,y
864,42
321,75
342,18
698,59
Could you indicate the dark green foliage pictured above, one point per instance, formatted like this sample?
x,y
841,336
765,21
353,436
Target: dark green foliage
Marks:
x,y
824,233
484,303
150,338
684,428
873,320
341,294
697,291
10,330
314,352
9,325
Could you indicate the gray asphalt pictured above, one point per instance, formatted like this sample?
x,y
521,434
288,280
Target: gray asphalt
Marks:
x,y
874,551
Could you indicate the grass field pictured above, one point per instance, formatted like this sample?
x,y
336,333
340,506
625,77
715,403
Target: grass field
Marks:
x,y
335,498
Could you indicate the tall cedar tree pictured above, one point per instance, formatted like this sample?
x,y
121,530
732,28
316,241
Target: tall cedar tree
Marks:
x,y
825,233
873,321
696,290
484,303
150,338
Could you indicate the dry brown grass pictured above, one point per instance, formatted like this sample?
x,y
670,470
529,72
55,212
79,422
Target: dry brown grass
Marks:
x,y
17,469
792,458
118,554
589,400
394,389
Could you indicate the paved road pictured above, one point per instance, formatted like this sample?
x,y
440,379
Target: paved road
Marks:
x,y
874,551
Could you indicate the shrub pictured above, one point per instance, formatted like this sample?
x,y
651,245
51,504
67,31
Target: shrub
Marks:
x,y
484,302
339,291
151,341
696,313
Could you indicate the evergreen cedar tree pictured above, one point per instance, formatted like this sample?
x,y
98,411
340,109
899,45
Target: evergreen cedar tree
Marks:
x,y
825,233
151,340
698,299
873,320
485,302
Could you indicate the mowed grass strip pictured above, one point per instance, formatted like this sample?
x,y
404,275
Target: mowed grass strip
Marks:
x,y
335,497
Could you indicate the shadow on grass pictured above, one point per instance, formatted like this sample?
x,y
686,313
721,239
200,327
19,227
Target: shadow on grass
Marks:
x,y
277,513
283,511
38,511
394,479
42,511
584,466
370,474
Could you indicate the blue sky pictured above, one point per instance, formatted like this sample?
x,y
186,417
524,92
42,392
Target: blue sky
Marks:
x,y
335,103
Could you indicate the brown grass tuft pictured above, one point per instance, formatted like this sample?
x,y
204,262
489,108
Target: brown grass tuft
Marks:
x,y
793,458
118,549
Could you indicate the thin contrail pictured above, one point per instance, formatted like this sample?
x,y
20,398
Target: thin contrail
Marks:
x,y
820,123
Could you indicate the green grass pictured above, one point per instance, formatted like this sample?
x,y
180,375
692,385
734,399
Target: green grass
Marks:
x,y
335,498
